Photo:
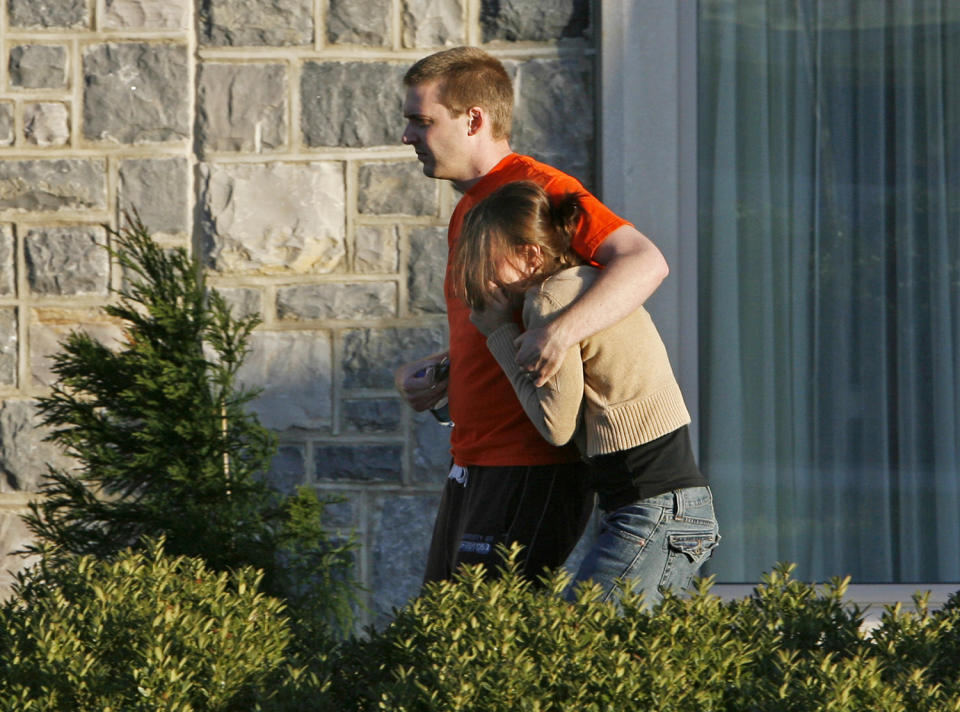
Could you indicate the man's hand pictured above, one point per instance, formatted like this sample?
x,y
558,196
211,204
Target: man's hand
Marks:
x,y
422,383
495,313
541,352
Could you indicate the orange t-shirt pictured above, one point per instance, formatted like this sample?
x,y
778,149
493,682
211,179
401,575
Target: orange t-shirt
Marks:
x,y
491,427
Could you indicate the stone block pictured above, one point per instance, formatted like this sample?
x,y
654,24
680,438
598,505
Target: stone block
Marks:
x,y
379,415
553,119
38,66
49,326
401,527
433,23
396,188
273,217
146,14
243,301
332,300
431,450
136,92
46,123
375,249
524,21
292,370
14,535
8,346
352,104
242,107
7,136
8,251
288,468
358,462
51,185
67,260
272,23
362,22
340,515
24,451
427,267
158,190
371,355
48,13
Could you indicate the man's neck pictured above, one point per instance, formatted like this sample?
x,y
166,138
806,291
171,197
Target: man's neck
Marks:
x,y
483,164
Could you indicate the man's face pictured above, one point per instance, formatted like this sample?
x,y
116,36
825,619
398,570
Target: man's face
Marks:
x,y
440,140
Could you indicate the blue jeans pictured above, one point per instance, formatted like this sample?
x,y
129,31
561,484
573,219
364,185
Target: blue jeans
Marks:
x,y
658,543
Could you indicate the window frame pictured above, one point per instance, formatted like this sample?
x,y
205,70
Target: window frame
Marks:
x,y
647,136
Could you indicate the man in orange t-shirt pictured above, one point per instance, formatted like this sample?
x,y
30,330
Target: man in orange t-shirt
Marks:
x,y
507,483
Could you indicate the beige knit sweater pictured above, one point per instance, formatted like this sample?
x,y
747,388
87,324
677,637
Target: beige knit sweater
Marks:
x,y
615,390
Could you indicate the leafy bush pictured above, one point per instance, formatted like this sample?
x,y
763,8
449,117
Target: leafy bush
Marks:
x,y
140,632
147,632
482,645
164,445
922,646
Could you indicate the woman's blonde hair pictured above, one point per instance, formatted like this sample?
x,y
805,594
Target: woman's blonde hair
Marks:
x,y
513,216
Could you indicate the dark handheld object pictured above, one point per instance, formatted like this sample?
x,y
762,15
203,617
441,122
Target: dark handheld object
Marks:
x,y
438,372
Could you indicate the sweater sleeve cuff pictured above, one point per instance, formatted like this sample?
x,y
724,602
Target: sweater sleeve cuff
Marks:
x,y
500,343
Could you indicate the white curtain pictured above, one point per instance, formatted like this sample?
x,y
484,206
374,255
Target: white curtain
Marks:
x,y
829,197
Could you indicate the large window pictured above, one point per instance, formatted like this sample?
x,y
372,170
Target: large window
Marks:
x,y
828,282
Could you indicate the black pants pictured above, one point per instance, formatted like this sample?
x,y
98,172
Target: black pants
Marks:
x,y
544,508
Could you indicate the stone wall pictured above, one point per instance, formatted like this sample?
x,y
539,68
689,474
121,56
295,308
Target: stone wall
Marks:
x,y
264,135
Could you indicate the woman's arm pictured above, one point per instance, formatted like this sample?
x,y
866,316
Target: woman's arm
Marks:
x,y
554,407
634,268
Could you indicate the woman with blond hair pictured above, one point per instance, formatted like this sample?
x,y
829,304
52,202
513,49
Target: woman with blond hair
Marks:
x,y
615,394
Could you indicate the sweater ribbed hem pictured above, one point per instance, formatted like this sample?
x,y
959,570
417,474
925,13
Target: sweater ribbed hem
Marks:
x,y
636,422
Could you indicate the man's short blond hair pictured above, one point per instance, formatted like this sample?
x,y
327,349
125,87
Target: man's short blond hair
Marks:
x,y
467,77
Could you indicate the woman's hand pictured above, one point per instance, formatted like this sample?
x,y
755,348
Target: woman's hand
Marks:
x,y
497,311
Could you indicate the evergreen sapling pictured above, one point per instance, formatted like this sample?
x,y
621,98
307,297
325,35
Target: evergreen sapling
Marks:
x,y
165,447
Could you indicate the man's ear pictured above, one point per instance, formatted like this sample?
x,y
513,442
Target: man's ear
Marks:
x,y
476,118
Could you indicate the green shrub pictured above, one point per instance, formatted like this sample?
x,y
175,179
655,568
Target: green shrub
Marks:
x,y
499,645
480,645
148,632
140,632
164,445
921,648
